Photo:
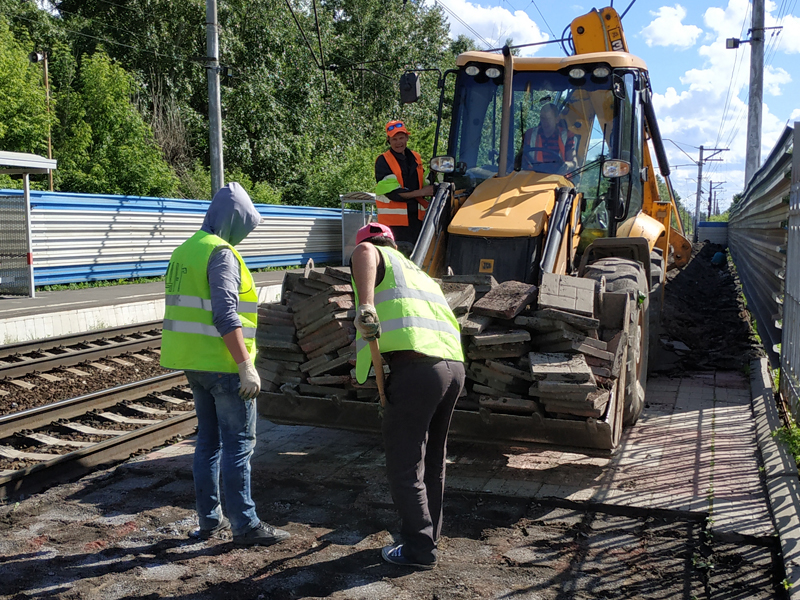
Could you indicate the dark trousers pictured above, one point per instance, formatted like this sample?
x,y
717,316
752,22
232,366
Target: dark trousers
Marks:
x,y
421,395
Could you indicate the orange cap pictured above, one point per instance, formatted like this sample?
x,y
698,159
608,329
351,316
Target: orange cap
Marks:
x,y
393,127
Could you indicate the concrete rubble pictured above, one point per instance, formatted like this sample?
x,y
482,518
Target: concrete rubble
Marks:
x,y
529,350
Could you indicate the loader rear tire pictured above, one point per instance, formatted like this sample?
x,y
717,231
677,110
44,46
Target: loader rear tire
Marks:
x,y
623,275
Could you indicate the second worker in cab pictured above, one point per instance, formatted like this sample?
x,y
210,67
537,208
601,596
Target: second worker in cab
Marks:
x,y
401,191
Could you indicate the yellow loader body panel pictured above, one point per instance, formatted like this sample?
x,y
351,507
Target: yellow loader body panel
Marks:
x,y
517,205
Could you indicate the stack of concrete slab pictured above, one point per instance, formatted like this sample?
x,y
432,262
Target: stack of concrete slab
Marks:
x,y
566,386
279,355
325,331
528,350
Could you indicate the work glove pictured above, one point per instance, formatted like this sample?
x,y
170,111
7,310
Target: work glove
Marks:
x,y
250,380
367,322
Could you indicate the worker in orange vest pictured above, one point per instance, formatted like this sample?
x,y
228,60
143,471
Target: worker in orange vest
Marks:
x,y
400,188
550,147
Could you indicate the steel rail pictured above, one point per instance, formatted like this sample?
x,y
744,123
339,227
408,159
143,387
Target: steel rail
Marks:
x,y
74,407
76,338
71,357
79,462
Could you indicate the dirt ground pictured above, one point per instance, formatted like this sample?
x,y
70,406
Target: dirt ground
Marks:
x,y
705,313
122,533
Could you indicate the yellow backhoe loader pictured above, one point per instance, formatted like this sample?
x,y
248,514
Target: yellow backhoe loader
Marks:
x,y
548,170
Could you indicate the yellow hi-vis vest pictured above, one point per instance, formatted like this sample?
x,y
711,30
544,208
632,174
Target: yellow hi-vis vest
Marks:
x,y
413,313
189,339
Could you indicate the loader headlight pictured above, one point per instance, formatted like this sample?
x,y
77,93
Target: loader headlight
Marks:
x,y
601,72
616,168
577,73
493,72
443,164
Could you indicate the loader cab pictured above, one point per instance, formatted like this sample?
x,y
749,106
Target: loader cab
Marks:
x,y
594,101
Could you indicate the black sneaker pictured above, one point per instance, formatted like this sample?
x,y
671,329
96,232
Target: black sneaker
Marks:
x,y
263,535
207,534
394,555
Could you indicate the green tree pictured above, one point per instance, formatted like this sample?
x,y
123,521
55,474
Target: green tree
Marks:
x,y
108,148
24,117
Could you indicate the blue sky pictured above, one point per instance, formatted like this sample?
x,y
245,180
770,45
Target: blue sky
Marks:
x,y
701,88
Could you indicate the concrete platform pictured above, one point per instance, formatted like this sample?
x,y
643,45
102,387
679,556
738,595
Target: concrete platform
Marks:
x,y
52,314
699,450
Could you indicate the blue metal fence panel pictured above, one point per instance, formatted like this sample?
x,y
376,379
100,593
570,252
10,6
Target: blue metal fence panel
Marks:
x,y
87,237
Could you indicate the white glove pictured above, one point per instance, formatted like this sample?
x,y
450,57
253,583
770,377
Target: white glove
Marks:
x,y
250,380
367,322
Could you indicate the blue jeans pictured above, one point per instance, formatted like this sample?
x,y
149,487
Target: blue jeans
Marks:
x,y
226,437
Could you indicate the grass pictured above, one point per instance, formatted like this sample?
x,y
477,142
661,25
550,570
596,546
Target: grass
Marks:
x,y
790,435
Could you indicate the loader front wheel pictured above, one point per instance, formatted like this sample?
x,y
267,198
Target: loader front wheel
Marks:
x,y
623,275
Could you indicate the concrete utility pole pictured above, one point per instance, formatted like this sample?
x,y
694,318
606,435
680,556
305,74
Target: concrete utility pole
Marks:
x,y
214,102
753,156
700,163
699,192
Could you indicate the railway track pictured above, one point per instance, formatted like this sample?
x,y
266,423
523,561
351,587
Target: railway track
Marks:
x,y
58,442
44,355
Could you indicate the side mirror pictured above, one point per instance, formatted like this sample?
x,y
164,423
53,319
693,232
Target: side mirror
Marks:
x,y
409,88
616,168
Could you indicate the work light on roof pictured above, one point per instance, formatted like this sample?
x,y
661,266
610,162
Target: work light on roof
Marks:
x,y
472,70
577,73
493,72
601,72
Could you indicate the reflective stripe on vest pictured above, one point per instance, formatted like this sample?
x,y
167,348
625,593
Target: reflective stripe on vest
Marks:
x,y
413,313
395,214
189,339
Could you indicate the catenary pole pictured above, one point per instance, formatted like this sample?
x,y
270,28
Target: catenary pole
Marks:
x,y
699,192
214,102
753,155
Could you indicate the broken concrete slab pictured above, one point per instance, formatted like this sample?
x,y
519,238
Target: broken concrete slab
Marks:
x,y
339,362
345,315
498,351
559,367
575,346
578,321
502,367
459,296
496,336
474,324
333,343
503,404
329,380
321,298
506,300
319,337
567,293
555,337
344,302
316,362
490,391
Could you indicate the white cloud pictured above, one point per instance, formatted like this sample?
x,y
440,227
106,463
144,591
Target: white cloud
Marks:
x,y
493,23
794,116
667,29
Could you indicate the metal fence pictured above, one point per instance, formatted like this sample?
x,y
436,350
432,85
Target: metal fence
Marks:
x,y
764,238
790,345
83,237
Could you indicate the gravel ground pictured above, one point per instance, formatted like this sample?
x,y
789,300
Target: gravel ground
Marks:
x,y
73,385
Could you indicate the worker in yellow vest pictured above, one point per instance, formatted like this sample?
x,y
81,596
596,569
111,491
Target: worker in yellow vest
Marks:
x,y
421,342
401,190
210,318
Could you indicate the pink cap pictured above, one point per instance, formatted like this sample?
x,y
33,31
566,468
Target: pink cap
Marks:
x,y
372,230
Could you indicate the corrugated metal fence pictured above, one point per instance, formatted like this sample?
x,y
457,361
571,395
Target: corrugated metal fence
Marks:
x,y
83,237
790,346
764,237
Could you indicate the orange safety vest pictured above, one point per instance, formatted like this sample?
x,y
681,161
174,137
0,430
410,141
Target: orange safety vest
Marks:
x,y
540,157
395,214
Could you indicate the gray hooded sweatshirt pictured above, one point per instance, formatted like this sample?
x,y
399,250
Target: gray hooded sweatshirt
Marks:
x,y
232,217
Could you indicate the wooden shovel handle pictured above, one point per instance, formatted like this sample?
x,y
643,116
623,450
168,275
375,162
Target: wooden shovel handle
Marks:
x,y
377,362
